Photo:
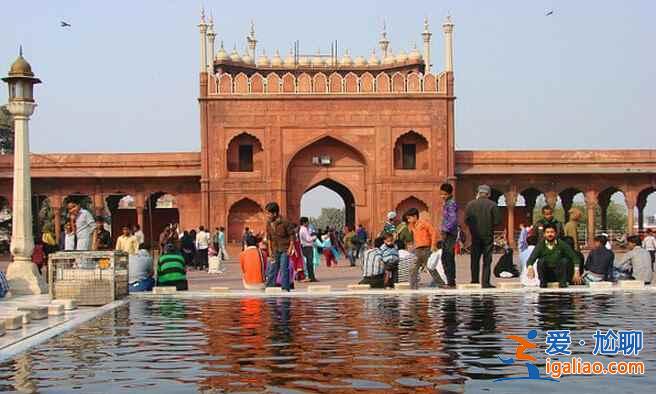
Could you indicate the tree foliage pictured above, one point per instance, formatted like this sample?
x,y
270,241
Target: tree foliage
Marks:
x,y
329,217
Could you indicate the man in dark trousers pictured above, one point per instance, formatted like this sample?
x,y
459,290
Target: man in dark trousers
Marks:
x,y
449,229
281,235
481,215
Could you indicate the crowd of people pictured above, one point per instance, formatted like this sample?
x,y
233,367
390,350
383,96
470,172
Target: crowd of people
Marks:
x,y
287,252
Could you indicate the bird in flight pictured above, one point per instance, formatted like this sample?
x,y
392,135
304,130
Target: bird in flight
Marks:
x,y
549,12
65,24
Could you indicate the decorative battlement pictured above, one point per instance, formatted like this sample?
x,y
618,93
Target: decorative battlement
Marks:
x,y
320,83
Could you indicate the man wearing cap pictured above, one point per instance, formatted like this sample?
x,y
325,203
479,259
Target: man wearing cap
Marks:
x,y
481,216
390,224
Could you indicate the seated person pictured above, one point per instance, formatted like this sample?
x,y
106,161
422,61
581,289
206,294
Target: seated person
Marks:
x,y
141,270
599,264
636,262
171,269
373,269
407,260
555,257
390,257
252,265
531,242
505,268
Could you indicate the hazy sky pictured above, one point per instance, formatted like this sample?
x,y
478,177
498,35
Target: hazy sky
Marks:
x,y
124,76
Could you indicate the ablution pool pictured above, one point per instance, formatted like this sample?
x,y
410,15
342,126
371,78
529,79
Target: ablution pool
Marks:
x,y
381,344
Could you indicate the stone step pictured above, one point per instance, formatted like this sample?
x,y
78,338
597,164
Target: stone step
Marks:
x,y
631,284
273,290
12,321
165,290
553,285
600,285
509,285
56,309
26,317
220,289
402,286
2,329
36,312
319,289
469,286
69,305
358,287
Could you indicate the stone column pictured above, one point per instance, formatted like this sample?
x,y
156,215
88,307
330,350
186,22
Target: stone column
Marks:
x,y
426,35
511,202
630,212
22,274
56,205
591,204
139,203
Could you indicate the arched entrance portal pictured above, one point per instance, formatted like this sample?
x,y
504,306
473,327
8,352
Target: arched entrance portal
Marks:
x,y
317,199
335,165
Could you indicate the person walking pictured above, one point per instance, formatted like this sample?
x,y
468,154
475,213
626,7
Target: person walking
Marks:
x,y
571,227
307,247
222,251
449,229
425,240
188,246
127,242
649,243
202,246
280,234
481,215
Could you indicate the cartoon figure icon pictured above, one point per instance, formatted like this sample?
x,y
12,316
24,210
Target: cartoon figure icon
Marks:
x,y
524,344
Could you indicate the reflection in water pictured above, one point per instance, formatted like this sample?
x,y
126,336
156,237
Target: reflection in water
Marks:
x,y
378,343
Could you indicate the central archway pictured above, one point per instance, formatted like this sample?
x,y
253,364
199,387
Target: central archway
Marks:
x,y
331,163
342,191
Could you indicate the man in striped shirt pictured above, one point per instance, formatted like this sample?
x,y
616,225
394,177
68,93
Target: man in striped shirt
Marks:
x,y
171,269
373,269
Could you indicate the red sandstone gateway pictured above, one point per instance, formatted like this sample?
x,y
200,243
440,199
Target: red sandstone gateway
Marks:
x,y
379,131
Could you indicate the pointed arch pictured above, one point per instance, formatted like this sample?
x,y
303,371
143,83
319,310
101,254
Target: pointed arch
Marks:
x,y
367,83
430,84
398,82
245,153
351,83
382,83
245,213
273,83
257,83
288,83
411,152
304,83
320,84
414,82
412,201
335,83
241,83
225,84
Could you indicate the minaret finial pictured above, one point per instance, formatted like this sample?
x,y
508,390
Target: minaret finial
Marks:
x,y
202,14
252,29
20,50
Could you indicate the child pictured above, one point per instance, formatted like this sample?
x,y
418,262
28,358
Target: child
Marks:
x,y
373,269
250,260
390,257
407,260
69,237
599,264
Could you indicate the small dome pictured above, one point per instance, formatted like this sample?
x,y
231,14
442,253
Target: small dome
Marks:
x,y
402,57
289,60
304,61
234,56
317,61
373,59
263,61
390,59
21,67
247,58
221,55
415,56
277,60
360,61
346,60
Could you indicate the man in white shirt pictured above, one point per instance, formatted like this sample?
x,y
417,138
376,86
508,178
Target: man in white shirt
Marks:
x,y
84,225
202,243
127,242
649,243
138,234
307,247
